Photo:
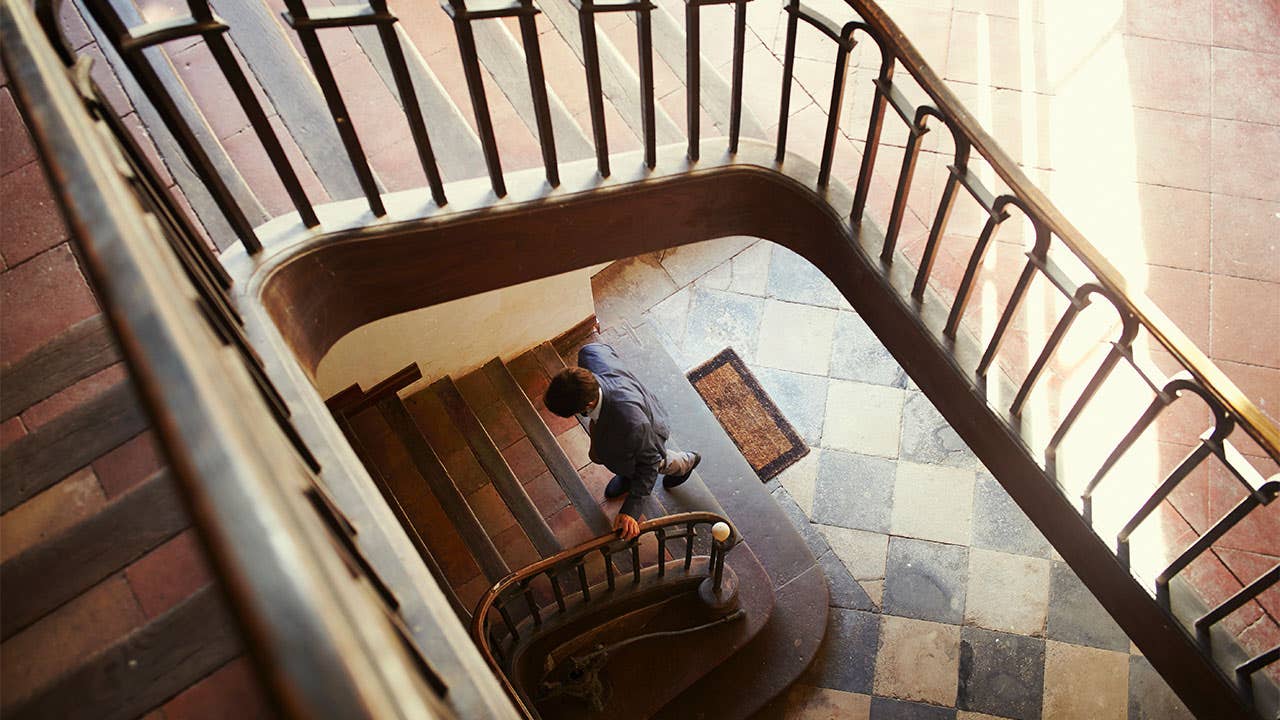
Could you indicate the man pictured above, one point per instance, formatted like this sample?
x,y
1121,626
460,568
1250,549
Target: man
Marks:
x,y
628,428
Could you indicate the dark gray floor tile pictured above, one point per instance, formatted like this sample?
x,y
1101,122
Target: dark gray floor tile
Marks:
x,y
794,279
926,580
817,544
1075,616
928,438
857,354
890,709
844,590
999,524
1150,697
1001,674
853,491
847,659
718,320
801,398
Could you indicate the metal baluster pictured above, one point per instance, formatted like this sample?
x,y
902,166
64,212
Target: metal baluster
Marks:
x,y
648,119
409,99
506,620
530,602
874,125
693,75
595,94
971,272
1055,338
635,562
538,88
146,76
300,21
843,48
788,69
457,9
945,203
1235,602
688,546
899,210
1119,349
556,589
1035,259
1185,468
234,74
1246,669
608,566
735,90
1197,548
662,551
582,581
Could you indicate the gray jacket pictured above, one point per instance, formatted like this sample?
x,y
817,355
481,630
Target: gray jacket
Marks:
x,y
630,436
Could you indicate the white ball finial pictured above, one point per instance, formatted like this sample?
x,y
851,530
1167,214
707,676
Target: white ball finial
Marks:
x,y
720,531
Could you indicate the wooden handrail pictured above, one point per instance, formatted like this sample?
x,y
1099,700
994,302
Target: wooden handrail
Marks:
x,y
479,618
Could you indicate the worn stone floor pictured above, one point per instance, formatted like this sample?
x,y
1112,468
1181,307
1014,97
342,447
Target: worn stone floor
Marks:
x,y
946,601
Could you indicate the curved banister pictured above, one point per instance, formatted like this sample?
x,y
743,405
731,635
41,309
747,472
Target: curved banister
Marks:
x,y
574,556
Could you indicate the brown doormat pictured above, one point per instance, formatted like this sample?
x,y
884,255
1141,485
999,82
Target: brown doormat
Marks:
x,y
753,422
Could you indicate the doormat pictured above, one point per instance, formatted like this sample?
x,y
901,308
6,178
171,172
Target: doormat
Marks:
x,y
753,422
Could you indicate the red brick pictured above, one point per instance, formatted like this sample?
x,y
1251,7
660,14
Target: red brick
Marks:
x,y
569,527
16,149
73,26
1248,567
1245,321
515,548
502,426
212,94
1183,295
142,136
476,389
231,691
74,396
465,470
62,639
524,460
128,464
51,511
31,222
490,510
576,443
169,574
1246,85
42,297
1246,238
546,494
107,81
1150,64
11,430
1246,24
1243,159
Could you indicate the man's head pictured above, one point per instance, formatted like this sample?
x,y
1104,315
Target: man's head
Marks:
x,y
572,391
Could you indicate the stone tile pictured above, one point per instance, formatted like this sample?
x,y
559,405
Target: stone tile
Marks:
x,y
932,502
806,702
857,354
1085,682
863,553
863,418
1243,159
1001,674
845,592
1172,149
10,431
524,460
718,320
1175,226
847,659
671,318
1243,24
887,709
70,398
747,273
1009,593
928,438
926,580
1167,19
918,661
16,149
796,337
31,222
986,49
625,289
1150,698
800,479
500,424
1075,616
44,515
1184,296
794,279
465,470
128,465
802,398
230,691
577,445
169,574
853,491
490,510
1246,238
689,262
50,281
817,544
1241,332
546,494
1246,86
999,524
1151,62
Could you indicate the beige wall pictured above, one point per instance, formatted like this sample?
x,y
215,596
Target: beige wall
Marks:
x,y
458,336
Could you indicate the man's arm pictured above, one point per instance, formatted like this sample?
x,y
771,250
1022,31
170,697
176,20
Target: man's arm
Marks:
x,y
648,460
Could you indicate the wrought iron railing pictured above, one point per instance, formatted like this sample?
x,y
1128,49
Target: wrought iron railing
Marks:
x,y
1076,271
496,630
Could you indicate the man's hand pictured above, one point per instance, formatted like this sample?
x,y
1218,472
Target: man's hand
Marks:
x,y
626,526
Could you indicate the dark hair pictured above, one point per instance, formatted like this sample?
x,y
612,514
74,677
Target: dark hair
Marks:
x,y
570,391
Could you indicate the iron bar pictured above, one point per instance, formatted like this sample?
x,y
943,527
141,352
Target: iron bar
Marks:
x,y
1237,601
530,602
970,275
635,563
538,89
1192,461
874,125
506,620
833,111
693,75
788,69
595,93
719,549
1220,528
479,102
936,230
1100,376
148,35
662,551
1034,261
909,157
319,62
556,589
644,52
582,581
608,566
1042,360
1246,669
114,27
739,59
409,100
688,546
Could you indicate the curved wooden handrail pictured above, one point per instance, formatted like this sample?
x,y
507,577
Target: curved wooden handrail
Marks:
x,y
479,618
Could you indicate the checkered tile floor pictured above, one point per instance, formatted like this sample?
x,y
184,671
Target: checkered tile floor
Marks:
x,y
946,601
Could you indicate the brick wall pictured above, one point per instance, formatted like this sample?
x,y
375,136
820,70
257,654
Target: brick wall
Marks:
x,y
43,293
